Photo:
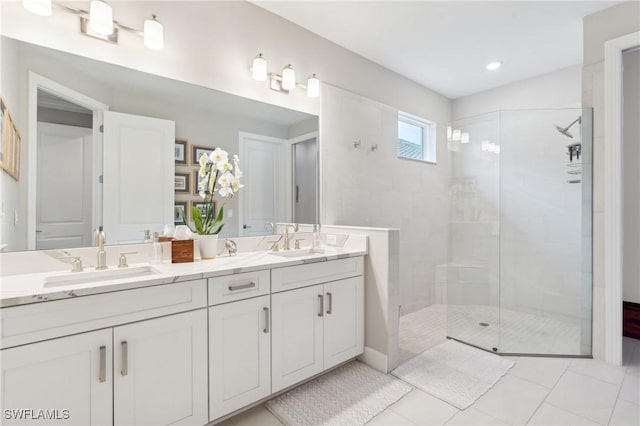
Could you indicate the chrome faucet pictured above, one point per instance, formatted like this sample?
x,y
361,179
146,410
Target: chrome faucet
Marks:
x,y
102,255
287,236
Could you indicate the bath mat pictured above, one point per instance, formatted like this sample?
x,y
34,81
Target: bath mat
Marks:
x,y
350,395
454,372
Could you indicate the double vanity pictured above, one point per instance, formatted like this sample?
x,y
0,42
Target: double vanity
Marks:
x,y
176,343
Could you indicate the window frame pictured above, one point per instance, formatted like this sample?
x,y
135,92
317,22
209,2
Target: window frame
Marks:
x,y
429,144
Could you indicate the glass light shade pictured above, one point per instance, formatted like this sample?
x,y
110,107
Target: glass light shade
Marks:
x,y
39,7
449,132
101,17
485,145
456,135
288,78
464,138
153,34
497,149
259,68
313,87
492,147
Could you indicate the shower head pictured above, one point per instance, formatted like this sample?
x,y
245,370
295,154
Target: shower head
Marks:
x,y
565,130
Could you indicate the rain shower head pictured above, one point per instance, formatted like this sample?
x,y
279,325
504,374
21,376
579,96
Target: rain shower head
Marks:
x,y
565,130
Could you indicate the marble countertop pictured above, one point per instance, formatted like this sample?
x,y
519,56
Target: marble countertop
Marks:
x,y
22,289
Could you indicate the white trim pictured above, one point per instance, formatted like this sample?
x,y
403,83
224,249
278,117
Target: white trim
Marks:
x,y
613,193
36,82
374,359
429,141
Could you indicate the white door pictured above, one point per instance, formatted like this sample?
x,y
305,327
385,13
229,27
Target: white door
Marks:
x,y
297,336
64,181
70,373
239,354
263,198
305,184
138,188
160,371
343,320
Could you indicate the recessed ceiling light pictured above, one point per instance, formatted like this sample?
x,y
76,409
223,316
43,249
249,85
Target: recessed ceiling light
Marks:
x,y
491,66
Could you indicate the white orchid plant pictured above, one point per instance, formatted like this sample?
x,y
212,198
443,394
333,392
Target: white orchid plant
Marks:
x,y
216,175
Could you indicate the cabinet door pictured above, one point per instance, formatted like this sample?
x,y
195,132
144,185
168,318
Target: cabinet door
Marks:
x,y
160,371
297,336
343,320
71,377
239,354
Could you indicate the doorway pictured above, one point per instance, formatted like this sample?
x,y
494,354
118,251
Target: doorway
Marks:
x,y
305,170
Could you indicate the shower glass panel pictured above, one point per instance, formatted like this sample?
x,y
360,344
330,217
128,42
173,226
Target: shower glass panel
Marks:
x,y
519,267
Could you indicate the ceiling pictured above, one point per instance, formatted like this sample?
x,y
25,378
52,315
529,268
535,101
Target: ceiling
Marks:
x,y
445,45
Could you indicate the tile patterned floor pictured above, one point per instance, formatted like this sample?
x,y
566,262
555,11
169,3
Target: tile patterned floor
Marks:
x,y
536,391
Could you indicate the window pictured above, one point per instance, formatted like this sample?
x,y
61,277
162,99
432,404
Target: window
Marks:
x,y
416,138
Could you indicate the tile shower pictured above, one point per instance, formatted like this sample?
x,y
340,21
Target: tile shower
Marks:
x,y
518,275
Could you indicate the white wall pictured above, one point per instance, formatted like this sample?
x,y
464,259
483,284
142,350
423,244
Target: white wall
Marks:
x,y
631,178
599,27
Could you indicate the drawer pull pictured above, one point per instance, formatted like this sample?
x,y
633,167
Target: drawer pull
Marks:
x,y
241,286
321,311
330,303
125,358
266,320
102,375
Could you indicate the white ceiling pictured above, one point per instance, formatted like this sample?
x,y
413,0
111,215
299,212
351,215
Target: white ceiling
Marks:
x,y
445,45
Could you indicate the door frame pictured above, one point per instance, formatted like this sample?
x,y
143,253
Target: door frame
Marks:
x,y
293,141
37,81
613,50
286,173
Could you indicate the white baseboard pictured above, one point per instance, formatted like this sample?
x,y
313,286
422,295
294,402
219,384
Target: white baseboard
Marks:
x,y
375,359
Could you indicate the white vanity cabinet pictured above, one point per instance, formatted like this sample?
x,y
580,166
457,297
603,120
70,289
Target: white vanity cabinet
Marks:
x,y
318,326
159,374
70,373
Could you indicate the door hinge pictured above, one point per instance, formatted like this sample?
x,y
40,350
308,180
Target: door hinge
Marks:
x,y
101,178
102,128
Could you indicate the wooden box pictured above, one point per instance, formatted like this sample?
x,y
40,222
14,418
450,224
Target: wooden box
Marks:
x,y
182,251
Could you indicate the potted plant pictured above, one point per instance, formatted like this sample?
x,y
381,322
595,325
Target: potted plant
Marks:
x,y
216,175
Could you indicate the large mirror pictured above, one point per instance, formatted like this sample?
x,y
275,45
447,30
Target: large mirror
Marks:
x,y
81,177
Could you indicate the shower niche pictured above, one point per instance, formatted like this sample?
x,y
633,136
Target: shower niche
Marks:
x,y
519,275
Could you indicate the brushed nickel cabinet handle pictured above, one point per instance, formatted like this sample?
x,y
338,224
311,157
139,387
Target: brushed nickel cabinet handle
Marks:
x,y
321,311
241,286
266,320
330,304
124,346
102,375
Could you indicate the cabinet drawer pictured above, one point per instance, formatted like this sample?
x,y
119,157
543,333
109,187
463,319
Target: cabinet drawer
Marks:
x,y
230,288
297,276
40,321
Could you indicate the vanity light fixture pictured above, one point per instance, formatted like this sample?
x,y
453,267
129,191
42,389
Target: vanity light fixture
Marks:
x,y
286,82
98,22
464,137
39,7
313,87
494,65
288,78
153,34
456,135
101,17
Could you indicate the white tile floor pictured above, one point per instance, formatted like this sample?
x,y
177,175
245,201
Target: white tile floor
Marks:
x,y
536,391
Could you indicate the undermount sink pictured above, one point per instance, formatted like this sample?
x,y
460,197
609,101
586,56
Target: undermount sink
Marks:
x,y
298,253
77,278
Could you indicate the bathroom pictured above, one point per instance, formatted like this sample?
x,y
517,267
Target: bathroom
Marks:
x,y
404,207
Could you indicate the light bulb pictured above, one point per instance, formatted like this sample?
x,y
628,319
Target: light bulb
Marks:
x,y
39,7
464,138
456,135
153,34
259,68
492,66
313,87
288,78
101,17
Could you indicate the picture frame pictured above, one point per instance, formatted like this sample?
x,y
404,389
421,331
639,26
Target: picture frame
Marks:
x,y
177,206
182,183
197,151
201,205
195,182
181,151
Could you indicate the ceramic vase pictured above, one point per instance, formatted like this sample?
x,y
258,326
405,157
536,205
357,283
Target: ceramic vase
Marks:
x,y
208,245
